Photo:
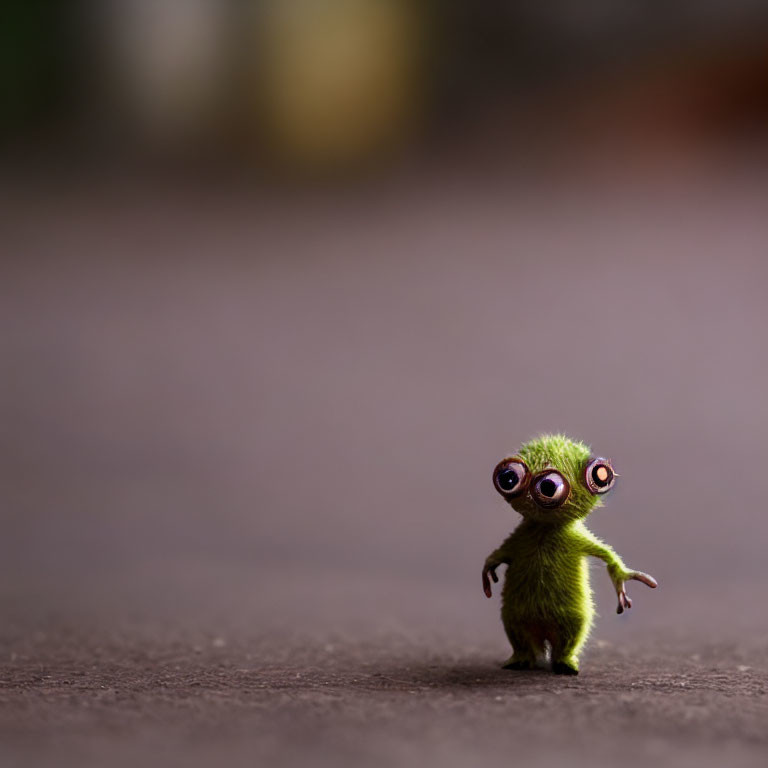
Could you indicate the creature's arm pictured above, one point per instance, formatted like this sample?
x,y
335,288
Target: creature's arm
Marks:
x,y
618,572
500,556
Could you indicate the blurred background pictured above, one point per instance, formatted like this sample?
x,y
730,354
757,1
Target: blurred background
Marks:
x,y
323,87
282,281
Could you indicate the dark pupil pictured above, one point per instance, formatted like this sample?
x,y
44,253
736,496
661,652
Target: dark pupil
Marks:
x,y
548,487
508,479
597,480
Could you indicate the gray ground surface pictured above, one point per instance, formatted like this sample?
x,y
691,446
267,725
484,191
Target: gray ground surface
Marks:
x,y
155,698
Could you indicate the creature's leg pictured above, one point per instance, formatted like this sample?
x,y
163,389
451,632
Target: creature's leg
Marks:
x,y
567,639
525,644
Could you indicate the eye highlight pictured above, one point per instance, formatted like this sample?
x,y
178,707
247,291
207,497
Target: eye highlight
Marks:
x,y
511,477
599,476
550,489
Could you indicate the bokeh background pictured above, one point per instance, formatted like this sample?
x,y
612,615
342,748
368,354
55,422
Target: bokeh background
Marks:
x,y
281,283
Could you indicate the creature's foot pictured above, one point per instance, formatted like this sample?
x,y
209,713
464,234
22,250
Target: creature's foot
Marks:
x,y
569,667
518,664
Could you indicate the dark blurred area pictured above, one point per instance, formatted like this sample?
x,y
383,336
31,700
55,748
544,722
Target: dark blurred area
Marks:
x,y
329,85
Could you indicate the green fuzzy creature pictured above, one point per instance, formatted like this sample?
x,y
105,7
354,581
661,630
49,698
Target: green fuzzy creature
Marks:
x,y
554,483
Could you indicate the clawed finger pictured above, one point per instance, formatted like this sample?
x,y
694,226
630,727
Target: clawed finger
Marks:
x,y
624,602
646,578
486,585
494,576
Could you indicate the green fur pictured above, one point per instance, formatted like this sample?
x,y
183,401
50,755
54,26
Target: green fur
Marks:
x,y
546,597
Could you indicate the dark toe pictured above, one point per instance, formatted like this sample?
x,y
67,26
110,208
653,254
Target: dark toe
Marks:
x,y
561,668
517,665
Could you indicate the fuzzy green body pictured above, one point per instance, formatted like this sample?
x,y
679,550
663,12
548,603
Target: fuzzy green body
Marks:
x,y
546,598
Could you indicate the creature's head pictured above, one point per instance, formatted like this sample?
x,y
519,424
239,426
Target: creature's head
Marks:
x,y
553,479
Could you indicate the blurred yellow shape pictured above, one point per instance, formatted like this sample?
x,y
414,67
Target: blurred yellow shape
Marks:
x,y
339,78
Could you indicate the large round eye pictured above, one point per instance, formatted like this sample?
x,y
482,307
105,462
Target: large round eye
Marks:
x,y
550,489
511,477
599,476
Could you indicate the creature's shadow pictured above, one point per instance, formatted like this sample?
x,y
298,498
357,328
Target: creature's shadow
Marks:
x,y
462,675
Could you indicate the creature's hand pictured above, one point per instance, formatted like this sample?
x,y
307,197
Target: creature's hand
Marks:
x,y
620,577
489,567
